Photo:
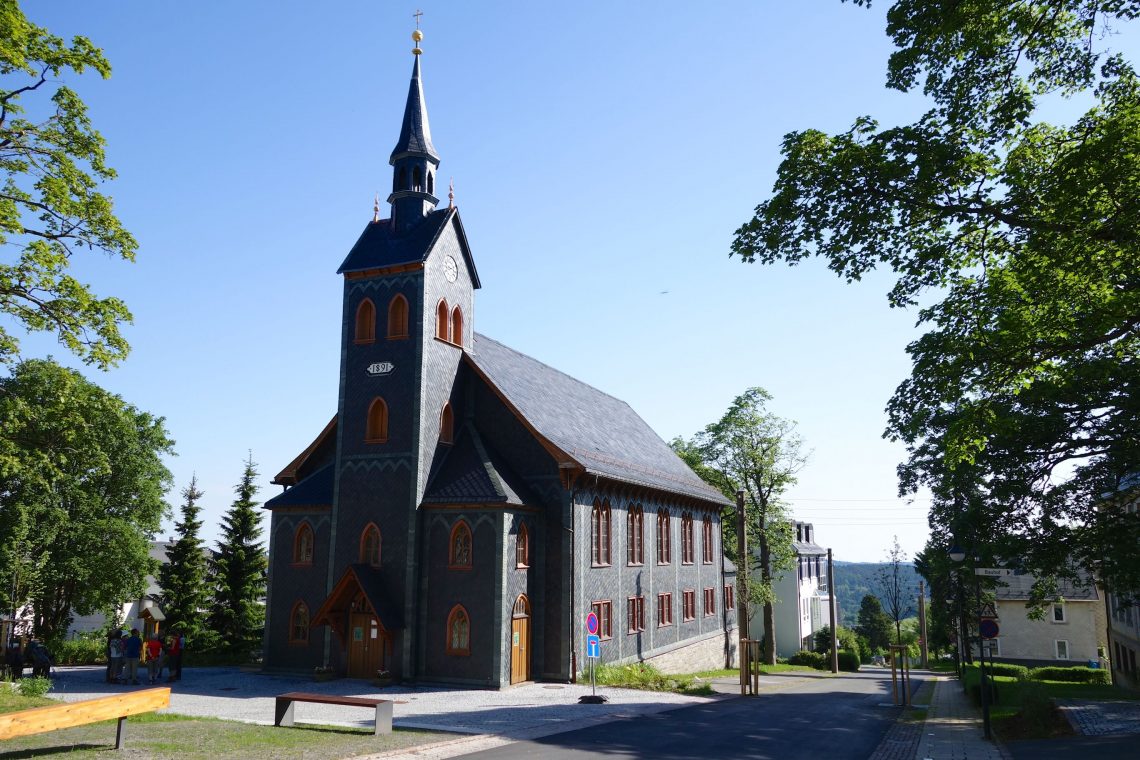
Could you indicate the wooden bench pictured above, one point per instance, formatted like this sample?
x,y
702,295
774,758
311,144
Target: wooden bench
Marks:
x,y
283,714
38,720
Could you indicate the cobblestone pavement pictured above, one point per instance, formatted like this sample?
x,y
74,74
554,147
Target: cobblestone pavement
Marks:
x,y
953,727
1102,718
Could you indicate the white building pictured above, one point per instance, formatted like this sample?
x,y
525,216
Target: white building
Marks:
x,y
1124,617
135,613
1072,631
803,600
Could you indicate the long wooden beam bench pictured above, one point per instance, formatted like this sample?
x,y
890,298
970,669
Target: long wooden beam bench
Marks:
x,y
283,714
38,720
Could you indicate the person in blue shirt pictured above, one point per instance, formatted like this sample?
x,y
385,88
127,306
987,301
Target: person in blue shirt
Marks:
x,y
132,652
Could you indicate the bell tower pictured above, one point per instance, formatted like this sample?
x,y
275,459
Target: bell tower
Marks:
x,y
414,160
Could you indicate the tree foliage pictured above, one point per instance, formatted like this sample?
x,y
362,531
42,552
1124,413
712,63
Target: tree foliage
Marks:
x,y
752,450
240,568
894,591
52,163
1020,237
874,624
81,494
185,595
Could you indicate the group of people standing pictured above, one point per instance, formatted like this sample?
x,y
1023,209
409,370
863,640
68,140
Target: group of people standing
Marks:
x,y
126,652
16,658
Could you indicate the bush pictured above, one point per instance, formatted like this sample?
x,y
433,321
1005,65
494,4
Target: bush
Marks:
x,y
34,687
84,649
976,692
1007,669
848,662
1072,675
811,659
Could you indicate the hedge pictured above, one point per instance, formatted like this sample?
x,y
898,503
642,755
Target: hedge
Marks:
x,y
1072,674
811,659
1007,669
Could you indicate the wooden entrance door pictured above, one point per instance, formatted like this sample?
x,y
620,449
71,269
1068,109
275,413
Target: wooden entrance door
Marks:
x,y
520,641
367,646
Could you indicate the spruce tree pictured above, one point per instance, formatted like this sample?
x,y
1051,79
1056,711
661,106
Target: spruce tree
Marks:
x,y
185,594
239,611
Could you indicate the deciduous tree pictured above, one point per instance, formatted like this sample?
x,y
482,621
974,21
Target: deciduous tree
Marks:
x,y
752,450
894,591
81,494
51,165
1020,236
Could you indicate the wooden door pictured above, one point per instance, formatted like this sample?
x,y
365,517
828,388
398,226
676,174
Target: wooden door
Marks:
x,y
367,646
520,641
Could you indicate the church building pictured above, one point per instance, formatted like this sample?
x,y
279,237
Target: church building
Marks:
x,y
468,506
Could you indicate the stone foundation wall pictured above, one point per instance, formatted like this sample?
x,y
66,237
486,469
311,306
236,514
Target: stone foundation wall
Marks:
x,y
709,653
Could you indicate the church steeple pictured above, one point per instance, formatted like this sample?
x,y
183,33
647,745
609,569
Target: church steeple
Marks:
x,y
414,160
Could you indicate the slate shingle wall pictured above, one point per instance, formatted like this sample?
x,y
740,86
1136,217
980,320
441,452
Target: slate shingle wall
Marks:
x,y
292,583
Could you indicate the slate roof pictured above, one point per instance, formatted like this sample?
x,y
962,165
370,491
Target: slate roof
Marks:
x,y
380,246
1017,588
314,491
470,473
808,548
601,433
415,134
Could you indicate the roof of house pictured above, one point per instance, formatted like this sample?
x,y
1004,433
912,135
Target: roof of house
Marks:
x,y
599,432
381,245
469,472
1017,588
314,491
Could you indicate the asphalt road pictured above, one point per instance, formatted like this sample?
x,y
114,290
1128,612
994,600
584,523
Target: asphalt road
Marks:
x,y
841,718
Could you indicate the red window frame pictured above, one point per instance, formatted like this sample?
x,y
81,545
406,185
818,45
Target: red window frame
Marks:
x,y
688,604
304,542
398,317
729,597
707,527
600,533
461,648
635,614
664,609
664,539
296,625
604,610
365,331
635,538
687,553
457,563
710,601
522,547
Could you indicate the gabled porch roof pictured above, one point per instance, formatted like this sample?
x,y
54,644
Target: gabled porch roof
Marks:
x,y
363,578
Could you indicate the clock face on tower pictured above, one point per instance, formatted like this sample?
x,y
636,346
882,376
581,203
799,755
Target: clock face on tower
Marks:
x,y
450,269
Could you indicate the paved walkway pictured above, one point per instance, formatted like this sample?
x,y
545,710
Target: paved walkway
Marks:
x,y
953,727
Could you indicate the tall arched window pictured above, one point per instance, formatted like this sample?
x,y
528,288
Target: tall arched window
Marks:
x,y
365,322
417,179
600,533
431,183
370,545
398,317
664,540
459,553
303,545
402,182
299,624
457,326
635,534
458,631
376,431
522,547
687,547
446,424
441,321
707,555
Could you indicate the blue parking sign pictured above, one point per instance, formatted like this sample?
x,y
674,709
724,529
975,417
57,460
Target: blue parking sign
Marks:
x,y
593,645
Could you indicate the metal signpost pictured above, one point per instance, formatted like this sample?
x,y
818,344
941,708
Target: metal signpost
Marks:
x,y
593,652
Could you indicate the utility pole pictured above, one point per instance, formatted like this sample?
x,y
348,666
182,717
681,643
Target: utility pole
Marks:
x,y
742,587
924,647
832,612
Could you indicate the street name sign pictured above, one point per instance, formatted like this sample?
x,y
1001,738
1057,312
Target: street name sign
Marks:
x,y
992,572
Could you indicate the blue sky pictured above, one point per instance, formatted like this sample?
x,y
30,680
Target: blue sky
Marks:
x,y
603,154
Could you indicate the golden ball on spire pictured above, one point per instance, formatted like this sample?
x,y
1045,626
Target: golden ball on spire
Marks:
x,y
417,35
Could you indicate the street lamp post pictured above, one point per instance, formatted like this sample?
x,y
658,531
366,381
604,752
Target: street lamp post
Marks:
x,y
958,555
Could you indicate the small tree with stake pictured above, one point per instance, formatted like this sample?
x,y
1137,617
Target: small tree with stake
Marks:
x,y
893,591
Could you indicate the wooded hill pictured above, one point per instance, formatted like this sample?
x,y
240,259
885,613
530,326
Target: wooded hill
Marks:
x,y
854,580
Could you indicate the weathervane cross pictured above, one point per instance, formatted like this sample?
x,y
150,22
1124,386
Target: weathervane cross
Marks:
x,y
417,15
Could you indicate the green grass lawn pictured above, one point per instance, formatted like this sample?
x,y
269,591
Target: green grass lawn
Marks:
x,y
177,736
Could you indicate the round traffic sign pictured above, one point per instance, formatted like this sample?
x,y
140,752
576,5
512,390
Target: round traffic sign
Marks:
x,y
988,628
591,623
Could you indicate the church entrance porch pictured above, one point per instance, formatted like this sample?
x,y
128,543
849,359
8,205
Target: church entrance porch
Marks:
x,y
520,641
364,619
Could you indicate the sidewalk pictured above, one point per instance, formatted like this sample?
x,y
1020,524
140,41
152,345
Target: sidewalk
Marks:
x,y
953,727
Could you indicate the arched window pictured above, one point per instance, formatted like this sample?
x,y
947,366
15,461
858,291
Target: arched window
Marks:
x,y
303,545
376,431
459,547
457,326
398,317
458,632
370,545
441,321
707,556
402,182
600,533
446,424
522,547
365,322
417,179
431,183
299,624
687,547
635,534
664,540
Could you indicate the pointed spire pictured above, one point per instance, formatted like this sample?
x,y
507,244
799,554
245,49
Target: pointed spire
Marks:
x,y
415,134
376,208
451,193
